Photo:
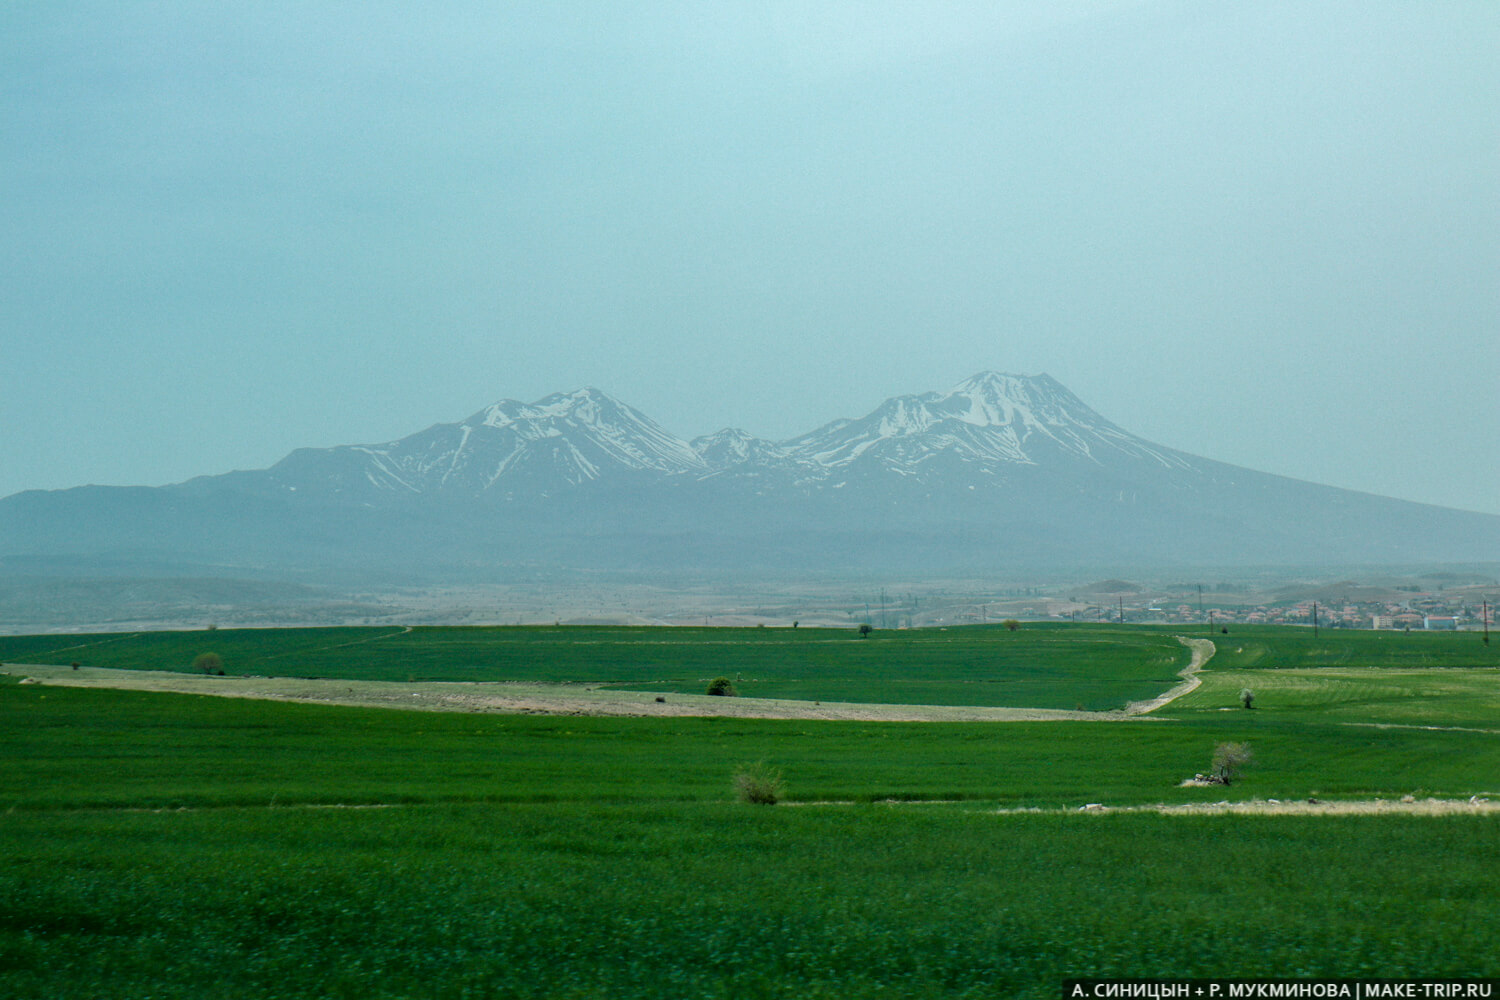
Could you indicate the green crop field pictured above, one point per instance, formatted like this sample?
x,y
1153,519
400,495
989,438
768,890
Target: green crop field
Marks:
x,y
1269,647
1037,667
168,845
1370,678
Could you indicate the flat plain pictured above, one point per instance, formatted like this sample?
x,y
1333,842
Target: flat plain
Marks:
x,y
187,845
1093,668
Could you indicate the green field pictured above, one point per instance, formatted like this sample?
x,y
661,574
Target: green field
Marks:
x,y
1038,667
1271,647
1370,678
156,845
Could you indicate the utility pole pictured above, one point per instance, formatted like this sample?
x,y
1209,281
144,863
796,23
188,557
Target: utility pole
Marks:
x,y
1486,622
1122,611
1315,619
882,608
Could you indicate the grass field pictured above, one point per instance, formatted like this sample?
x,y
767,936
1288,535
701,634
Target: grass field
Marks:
x,y
1038,667
1263,647
1373,678
157,845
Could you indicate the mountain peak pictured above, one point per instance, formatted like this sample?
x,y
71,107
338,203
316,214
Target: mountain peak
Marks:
x,y
995,398
581,406
990,381
732,446
586,396
992,418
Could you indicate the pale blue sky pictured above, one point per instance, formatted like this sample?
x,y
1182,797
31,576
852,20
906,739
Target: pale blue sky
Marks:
x,y
1266,233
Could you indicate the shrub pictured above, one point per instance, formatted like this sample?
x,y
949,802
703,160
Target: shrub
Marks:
x,y
759,783
209,663
722,686
1011,624
1229,759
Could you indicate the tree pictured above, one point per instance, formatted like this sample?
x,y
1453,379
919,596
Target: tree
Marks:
x,y
1011,624
723,687
1247,698
209,663
1228,760
865,630
759,783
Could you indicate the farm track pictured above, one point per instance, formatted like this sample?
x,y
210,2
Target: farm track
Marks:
x,y
1202,651
573,699
1406,806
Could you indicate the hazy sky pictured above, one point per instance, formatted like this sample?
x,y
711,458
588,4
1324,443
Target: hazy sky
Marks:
x,y
1266,233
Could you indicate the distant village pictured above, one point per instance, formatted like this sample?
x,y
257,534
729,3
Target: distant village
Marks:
x,y
1425,613
1471,605
1422,610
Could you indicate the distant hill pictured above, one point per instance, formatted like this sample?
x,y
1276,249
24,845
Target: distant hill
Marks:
x,y
1001,471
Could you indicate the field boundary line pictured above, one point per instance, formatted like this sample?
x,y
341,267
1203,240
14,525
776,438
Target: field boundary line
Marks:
x,y
90,645
1479,804
1413,725
405,629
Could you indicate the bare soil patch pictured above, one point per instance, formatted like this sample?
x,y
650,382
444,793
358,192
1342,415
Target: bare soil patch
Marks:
x,y
520,698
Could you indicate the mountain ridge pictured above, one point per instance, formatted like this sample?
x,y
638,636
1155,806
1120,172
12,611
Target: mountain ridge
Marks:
x,y
999,469
572,437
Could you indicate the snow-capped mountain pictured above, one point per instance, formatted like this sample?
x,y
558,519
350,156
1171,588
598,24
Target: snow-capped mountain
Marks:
x,y
987,419
562,440
999,469
732,448
567,439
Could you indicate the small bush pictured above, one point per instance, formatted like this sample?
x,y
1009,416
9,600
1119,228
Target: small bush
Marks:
x,y
759,783
1229,759
1011,624
723,687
